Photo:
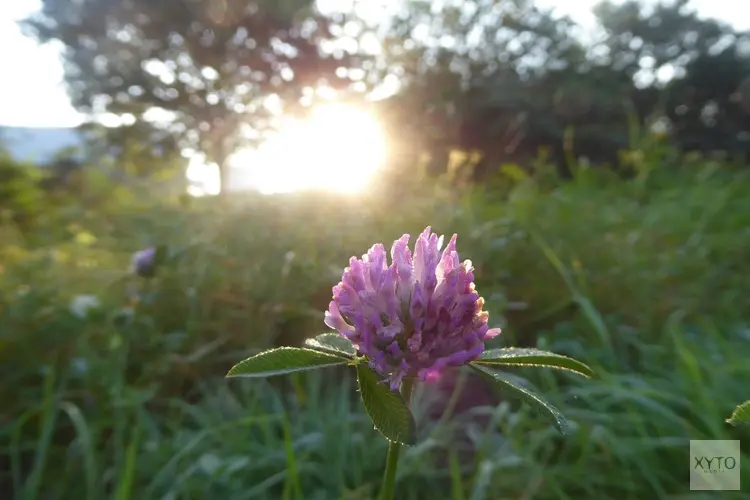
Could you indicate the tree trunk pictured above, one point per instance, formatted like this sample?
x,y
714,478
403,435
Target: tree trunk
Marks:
x,y
224,176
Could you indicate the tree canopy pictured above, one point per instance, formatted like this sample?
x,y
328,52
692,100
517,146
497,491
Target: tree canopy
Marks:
x,y
508,79
213,74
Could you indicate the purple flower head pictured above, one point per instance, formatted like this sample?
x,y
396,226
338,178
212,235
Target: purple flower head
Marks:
x,y
414,317
143,263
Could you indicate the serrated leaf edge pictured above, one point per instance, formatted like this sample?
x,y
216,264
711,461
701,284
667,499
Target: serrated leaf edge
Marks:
x,y
584,371
561,422
411,438
336,360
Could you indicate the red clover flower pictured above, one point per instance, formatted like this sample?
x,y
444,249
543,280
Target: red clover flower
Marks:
x,y
415,317
143,263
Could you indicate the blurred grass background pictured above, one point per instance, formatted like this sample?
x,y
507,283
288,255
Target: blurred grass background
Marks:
x,y
647,280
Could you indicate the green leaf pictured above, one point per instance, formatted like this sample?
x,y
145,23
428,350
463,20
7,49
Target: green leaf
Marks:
x,y
284,360
522,389
386,408
741,414
332,343
533,357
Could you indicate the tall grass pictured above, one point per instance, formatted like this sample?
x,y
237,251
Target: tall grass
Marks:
x,y
646,280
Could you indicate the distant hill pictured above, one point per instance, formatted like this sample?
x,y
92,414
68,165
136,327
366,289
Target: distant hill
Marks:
x,y
38,145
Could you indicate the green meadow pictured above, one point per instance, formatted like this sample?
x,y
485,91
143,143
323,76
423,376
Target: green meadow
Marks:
x,y
647,280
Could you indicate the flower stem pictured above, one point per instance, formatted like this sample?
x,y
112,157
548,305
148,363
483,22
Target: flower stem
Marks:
x,y
394,450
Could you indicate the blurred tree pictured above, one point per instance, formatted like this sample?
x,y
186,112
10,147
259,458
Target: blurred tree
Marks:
x,y
214,75
138,150
701,68
709,107
511,80
477,76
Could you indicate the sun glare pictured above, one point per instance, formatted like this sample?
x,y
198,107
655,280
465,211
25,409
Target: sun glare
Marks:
x,y
339,148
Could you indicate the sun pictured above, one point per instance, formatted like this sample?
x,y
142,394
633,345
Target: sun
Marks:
x,y
338,148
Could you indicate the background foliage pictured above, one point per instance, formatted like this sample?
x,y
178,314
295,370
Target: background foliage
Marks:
x,y
603,205
129,397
